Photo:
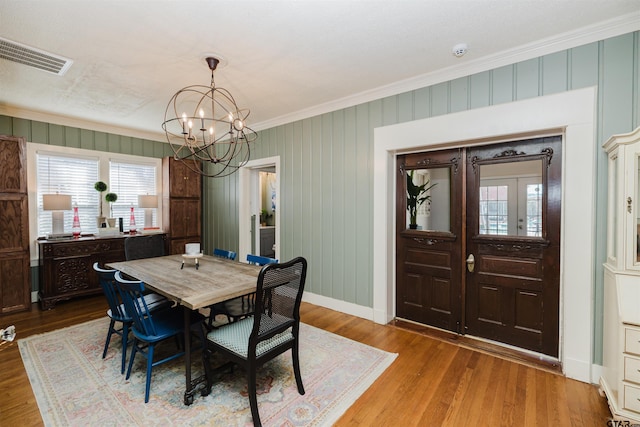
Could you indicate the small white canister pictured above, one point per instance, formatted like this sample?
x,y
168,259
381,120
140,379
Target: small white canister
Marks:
x,y
192,248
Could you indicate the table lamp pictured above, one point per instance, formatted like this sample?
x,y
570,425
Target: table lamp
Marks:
x,y
148,202
57,203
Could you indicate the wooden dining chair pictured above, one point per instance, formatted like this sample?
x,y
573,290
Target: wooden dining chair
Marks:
x,y
233,309
223,253
260,260
243,306
152,327
272,330
118,314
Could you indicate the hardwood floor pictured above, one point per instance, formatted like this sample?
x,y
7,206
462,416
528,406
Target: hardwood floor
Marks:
x,y
431,383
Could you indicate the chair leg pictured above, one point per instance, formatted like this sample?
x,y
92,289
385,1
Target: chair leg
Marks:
x,y
134,350
125,343
106,344
253,398
149,370
296,367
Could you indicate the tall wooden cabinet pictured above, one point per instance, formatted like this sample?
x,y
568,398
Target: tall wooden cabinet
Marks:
x,y
620,379
15,284
182,204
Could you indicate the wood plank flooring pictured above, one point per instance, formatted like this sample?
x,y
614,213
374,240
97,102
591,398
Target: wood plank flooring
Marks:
x,y
431,383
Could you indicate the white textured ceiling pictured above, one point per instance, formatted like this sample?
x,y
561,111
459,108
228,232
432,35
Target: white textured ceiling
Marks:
x,y
285,59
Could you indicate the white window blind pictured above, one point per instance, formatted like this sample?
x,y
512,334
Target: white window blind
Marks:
x,y
72,176
128,181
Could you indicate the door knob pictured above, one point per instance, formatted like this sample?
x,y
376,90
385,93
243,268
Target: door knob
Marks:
x,y
470,263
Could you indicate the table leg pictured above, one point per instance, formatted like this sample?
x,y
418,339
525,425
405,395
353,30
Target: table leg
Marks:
x,y
191,386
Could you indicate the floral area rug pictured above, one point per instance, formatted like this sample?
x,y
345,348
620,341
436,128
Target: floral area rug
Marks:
x,y
74,386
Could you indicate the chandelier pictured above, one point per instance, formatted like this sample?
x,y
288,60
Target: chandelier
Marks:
x,y
205,127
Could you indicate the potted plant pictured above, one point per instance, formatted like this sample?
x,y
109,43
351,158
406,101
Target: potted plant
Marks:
x,y
111,198
415,197
100,187
264,217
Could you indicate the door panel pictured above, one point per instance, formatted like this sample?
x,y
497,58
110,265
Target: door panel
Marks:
x,y
428,257
503,208
513,292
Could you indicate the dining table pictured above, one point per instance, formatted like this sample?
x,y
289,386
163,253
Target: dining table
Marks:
x,y
177,278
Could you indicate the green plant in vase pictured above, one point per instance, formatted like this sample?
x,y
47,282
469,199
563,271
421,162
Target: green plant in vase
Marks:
x,y
111,198
100,187
416,196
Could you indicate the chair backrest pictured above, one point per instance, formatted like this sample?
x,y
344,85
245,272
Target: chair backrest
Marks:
x,y
222,253
109,288
139,247
132,293
260,260
278,296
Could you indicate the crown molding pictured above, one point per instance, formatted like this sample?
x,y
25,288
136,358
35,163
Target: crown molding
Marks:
x,y
61,120
601,31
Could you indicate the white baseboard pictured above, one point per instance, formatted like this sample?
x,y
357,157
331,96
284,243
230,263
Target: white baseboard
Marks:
x,y
34,296
338,305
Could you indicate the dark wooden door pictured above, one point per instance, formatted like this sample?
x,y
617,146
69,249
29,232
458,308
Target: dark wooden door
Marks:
x,y
484,258
429,263
512,294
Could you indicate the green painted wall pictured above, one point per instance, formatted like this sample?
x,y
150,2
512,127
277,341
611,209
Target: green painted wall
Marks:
x,y
326,161
326,195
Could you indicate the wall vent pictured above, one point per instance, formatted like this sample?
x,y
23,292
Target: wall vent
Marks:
x,y
32,57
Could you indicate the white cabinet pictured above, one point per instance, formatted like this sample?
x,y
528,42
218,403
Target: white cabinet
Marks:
x,y
621,342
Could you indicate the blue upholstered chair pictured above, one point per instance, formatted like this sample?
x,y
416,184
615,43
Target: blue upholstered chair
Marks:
x,y
117,312
272,330
151,328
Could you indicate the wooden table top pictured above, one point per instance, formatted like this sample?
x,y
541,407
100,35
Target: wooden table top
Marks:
x,y
217,279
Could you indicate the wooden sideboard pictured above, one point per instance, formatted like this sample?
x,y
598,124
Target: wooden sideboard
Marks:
x,y
66,266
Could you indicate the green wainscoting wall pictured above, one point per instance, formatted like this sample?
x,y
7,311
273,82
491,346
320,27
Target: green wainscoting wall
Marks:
x,y
326,161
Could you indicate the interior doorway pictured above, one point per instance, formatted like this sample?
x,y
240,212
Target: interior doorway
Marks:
x,y
259,199
483,257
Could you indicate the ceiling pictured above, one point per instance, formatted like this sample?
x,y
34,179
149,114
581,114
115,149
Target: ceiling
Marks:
x,y
284,60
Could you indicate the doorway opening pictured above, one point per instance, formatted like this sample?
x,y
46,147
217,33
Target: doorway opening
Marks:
x,y
259,225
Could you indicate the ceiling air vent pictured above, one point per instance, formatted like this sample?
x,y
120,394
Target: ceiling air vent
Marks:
x,y
32,57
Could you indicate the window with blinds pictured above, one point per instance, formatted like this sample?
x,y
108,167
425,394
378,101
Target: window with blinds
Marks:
x,y
72,176
128,181
74,172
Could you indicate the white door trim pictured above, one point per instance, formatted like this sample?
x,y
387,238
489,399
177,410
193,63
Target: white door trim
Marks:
x,y
574,113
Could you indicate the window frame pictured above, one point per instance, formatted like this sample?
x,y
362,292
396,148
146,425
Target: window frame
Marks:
x,y
33,149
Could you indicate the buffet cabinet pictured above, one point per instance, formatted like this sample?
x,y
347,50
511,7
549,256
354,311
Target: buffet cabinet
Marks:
x,y
15,282
66,266
182,203
620,379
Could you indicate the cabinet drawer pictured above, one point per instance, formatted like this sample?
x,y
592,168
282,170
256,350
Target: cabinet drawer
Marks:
x,y
632,398
632,369
632,341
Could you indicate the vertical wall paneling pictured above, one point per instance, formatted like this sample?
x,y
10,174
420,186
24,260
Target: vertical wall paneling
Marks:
x,y
527,79
39,132
317,212
338,213
480,90
405,107
326,273
72,137
439,99
421,103
584,62
502,84
617,82
56,135
351,210
554,73
459,95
